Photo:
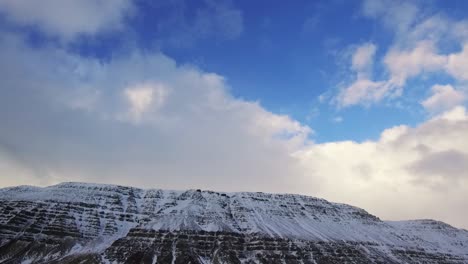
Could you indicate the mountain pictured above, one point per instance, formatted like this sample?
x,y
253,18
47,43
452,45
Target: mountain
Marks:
x,y
92,223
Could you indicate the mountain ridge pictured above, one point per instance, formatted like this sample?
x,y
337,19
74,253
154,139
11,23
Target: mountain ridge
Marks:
x,y
104,220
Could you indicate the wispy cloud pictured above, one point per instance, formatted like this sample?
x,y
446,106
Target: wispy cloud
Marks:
x,y
68,19
182,27
443,97
415,53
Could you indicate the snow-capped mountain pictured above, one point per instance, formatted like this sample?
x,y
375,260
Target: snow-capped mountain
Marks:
x,y
92,223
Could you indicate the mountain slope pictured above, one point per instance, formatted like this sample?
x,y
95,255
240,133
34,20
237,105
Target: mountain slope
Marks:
x,y
74,222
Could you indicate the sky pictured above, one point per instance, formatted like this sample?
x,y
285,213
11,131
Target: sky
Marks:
x,y
358,102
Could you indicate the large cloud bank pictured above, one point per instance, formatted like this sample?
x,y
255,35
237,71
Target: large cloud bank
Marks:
x,y
141,119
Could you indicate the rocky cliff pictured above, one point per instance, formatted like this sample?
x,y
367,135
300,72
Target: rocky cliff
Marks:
x,y
90,223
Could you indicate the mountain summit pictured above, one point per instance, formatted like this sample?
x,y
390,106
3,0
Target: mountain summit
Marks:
x,y
95,223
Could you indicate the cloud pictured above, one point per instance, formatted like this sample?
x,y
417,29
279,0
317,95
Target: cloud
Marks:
x,y
219,17
395,15
337,119
13,172
363,57
200,136
403,64
67,18
182,129
448,163
139,98
414,54
443,97
458,64
142,119
409,172
362,91
180,26
143,96
413,21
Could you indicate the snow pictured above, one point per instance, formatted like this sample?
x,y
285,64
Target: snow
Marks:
x,y
273,215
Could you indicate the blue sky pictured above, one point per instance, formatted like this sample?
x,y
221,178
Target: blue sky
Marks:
x,y
284,56
361,102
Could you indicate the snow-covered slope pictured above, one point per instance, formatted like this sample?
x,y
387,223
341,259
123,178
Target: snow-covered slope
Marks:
x,y
100,221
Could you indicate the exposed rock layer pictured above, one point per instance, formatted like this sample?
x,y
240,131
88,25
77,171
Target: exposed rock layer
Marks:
x,y
76,222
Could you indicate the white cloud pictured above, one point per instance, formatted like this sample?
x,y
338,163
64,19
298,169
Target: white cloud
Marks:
x,y
458,64
415,52
67,18
397,15
404,64
456,114
191,132
337,119
401,64
362,91
143,96
363,57
443,97
408,173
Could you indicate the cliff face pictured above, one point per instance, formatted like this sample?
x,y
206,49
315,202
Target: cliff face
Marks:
x,y
89,223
